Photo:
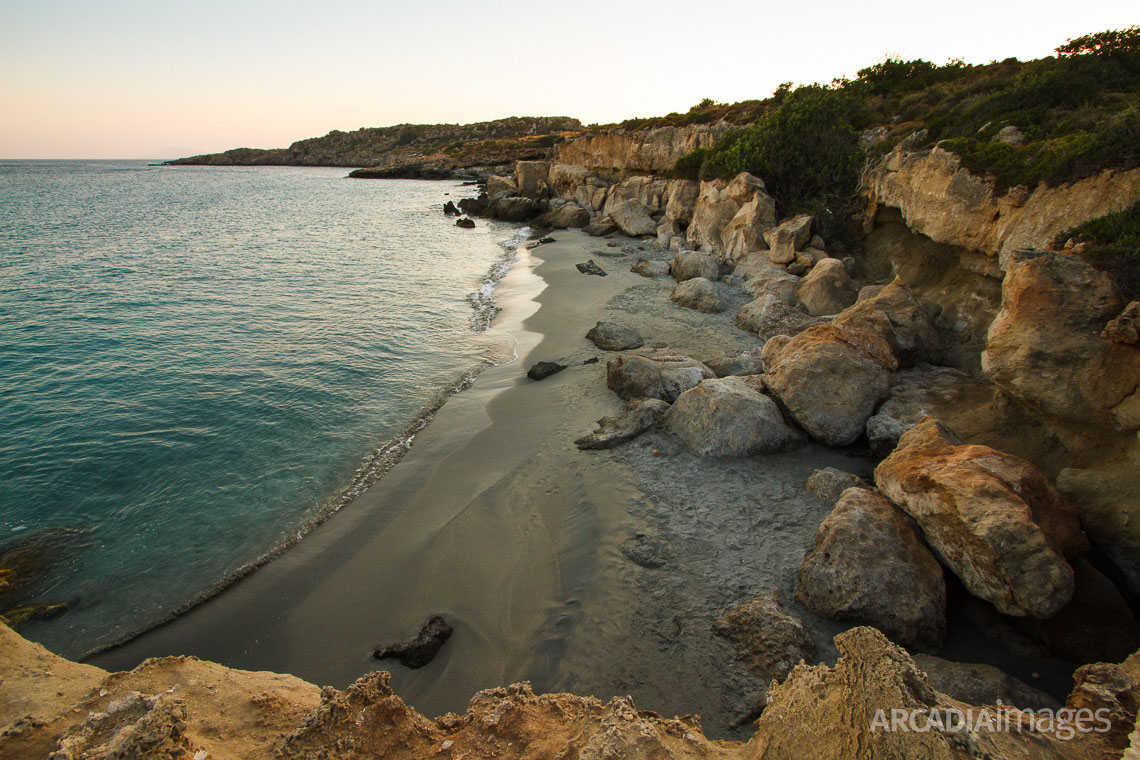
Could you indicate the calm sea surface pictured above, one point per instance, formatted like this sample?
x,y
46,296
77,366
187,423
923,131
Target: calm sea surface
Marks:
x,y
194,361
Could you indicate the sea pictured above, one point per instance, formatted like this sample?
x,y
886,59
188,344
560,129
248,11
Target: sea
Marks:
x,y
200,364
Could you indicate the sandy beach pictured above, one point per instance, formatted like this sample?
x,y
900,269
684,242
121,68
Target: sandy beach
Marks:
x,y
496,521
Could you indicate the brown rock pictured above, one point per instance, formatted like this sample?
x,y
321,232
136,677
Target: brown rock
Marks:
x,y
869,565
1126,327
788,238
994,519
689,264
895,315
826,289
768,640
829,483
830,380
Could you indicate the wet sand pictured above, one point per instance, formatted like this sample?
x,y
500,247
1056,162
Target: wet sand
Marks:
x,y
497,521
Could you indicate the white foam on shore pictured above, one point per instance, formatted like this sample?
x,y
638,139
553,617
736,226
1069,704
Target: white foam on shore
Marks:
x,y
483,299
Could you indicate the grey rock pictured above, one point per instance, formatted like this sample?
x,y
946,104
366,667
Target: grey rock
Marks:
x,y
600,227
647,268
543,370
730,416
787,238
591,268
826,289
465,222
744,363
769,315
665,377
829,483
633,219
640,415
896,316
689,264
610,336
698,294
421,650
978,684
768,640
646,551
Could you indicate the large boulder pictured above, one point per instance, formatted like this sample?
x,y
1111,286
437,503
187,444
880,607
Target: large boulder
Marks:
x,y
718,203
787,238
699,294
689,264
830,379
769,315
681,199
928,391
640,415
633,219
782,286
744,233
505,185
514,209
743,363
665,377
648,192
649,268
829,483
895,315
768,640
869,565
826,289
730,416
566,215
1045,346
611,336
531,178
994,519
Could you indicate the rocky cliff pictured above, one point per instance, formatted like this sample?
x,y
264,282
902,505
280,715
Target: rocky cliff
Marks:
x,y
183,707
412,149
652,150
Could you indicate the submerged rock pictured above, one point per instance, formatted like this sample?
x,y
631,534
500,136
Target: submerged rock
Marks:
x,y
421,650
995,520
449,209
543,370
830,379
640,415
610,336
591,268
665,377
768,640
698,294
869,565
730,416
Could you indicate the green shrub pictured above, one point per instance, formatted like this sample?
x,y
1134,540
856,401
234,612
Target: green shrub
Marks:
x,y
1112,243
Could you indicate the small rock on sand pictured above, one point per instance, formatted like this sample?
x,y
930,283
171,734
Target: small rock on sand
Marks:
x,y
591,268
423,648
543,370
610,336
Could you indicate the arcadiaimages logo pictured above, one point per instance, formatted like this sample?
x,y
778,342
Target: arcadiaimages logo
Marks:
x,y
1064,723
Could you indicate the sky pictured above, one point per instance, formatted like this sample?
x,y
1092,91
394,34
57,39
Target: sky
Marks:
x,y
169,78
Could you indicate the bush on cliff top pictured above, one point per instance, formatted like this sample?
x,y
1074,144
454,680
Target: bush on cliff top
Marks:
x,y
1112,243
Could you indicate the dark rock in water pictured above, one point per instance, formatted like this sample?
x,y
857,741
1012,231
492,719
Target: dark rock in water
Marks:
x,y
423,648
449,209
610,336
640,415
543,370
465,223
474,206
591,268
644,550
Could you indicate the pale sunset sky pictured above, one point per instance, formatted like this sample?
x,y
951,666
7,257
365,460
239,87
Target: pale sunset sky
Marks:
x,y
162,79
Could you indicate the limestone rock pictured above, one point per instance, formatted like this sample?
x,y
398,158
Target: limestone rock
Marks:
x,y
566,215
829,483
895,315
921,391
514,209
681,197
718,204
1126,327
531,178
768,640
782,286
769,315
744,363
830,379
978,684
647,268
640,415
730,417
610,336
826,289
697,293
745,231
667,230
689,264
787,238
600,226
1044,346
497,185
633,219
870,566
665,377
645,191
994,519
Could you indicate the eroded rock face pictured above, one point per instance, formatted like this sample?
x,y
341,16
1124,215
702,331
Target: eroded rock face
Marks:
x,y
640,415
654,150
826,289
870,566
768,640
697,293
665,377
995,520
681,199
730,416
610,336
830,379
770,315
530,177
689,264
1045,346
895,315
939,198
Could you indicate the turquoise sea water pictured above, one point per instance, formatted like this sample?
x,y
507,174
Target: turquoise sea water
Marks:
x,y
194,361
